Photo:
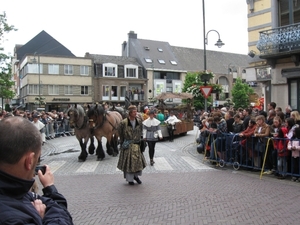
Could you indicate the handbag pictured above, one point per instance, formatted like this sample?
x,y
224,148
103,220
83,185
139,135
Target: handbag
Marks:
x,y
126,144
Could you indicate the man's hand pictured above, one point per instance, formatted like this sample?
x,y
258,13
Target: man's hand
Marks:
x,y
40,207
46,179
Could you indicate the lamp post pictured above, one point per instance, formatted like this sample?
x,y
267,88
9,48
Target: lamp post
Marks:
x,y
205,40
39,74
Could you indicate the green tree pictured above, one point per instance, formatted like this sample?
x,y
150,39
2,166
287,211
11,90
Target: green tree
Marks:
x,y
5,67
192,84
240,94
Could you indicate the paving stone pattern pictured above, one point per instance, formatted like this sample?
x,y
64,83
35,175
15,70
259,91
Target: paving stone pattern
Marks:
x,y
181,195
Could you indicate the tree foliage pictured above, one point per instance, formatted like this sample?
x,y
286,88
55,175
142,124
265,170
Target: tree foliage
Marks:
x,y
240,94
5,67
192,84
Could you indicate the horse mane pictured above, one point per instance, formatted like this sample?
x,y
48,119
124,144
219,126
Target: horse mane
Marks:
x,y
80,110
96,109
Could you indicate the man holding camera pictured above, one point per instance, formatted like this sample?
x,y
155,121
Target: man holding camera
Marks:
x,y
20,149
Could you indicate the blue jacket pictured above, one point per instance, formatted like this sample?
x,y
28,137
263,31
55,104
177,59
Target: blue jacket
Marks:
x,y
16,206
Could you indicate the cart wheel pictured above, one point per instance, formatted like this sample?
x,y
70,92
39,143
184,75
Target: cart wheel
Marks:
x,y
222,163
236,166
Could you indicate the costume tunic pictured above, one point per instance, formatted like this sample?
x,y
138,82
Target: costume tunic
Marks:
x,y
131,160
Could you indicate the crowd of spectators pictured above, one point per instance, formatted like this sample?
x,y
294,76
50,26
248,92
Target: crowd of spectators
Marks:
x,y
270,134
56,123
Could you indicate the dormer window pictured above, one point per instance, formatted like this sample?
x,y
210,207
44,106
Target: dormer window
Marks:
x,y
146,48
173,62
110,70
160,49
161,61
148,60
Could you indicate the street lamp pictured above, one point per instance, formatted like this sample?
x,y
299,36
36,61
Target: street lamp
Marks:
x,y
205,35
39,74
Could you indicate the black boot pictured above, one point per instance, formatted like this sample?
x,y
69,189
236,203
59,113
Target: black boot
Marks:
x,y
137,180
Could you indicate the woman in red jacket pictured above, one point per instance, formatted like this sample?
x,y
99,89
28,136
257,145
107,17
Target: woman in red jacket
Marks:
x,y
280,142
247,141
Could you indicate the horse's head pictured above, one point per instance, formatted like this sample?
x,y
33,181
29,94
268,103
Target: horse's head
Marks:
x,y
96,115
75,113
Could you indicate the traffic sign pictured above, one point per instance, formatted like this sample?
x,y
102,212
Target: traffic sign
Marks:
x,y
206,90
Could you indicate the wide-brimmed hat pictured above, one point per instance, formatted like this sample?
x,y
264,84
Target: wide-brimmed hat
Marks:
x,y
35,116
151,112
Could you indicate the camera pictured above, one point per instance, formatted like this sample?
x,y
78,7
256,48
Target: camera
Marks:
x,y
42,168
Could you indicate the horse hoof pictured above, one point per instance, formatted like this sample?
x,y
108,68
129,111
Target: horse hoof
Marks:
x,y
81,160
100,159
91,152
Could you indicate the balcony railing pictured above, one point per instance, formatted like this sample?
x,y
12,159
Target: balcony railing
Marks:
x,y
281,40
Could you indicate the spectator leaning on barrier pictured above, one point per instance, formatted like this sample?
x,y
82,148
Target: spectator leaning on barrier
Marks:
x,y
217,144
247,116
296,116
288,111
280,147
238,125
261,132
247,140
274,129
229,120
294,147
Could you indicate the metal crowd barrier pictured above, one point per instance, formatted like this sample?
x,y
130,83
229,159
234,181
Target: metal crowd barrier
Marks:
x,y
56,129
252,153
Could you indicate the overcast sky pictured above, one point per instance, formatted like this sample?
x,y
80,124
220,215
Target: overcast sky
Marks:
x,y
101,26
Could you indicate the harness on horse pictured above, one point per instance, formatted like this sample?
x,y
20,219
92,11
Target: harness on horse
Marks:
x,y
102,122
85,119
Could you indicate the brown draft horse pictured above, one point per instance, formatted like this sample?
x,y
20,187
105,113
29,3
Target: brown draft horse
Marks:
x,y
80,122
104,124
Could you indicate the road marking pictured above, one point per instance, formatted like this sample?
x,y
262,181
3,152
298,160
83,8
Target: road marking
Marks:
x,y
89,166
161,164
55,165
195,164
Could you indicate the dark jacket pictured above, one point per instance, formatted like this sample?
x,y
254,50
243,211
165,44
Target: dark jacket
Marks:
x,y
16,206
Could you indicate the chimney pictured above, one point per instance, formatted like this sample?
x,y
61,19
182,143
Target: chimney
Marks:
x,y
132,35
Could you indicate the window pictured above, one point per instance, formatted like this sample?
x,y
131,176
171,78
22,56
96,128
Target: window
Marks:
x,y
84,70
161,61
68,90
173,62
33,89
84,90
287,12
131,71
53,89
110,70
114,92
148,60
122,93
68,69
160,49
34,68
105,90
53,69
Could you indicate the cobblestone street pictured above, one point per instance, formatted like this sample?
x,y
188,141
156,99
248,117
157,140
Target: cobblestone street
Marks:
x,y
179,189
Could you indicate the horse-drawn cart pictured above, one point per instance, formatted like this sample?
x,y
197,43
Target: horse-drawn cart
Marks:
x,y
184,112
